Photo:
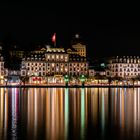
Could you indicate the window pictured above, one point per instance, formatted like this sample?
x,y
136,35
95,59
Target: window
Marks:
x,y
23,73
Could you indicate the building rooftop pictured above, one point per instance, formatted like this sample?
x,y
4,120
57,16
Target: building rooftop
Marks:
x,y
55,50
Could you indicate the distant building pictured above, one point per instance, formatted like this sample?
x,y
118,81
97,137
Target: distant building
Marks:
x,y
16,52
80,48
125,66
3,71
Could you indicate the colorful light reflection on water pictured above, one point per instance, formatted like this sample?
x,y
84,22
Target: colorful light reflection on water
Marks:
x,y
69,113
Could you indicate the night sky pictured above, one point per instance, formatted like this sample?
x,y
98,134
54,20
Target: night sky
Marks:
x,y
104,32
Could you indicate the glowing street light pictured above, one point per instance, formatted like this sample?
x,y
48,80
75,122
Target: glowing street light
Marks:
x,y
66,79
82,79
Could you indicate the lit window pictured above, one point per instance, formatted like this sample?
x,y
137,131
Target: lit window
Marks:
x,y
52,64
57,56
62,57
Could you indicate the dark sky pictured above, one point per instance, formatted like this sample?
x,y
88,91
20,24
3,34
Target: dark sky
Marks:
x,y
104,31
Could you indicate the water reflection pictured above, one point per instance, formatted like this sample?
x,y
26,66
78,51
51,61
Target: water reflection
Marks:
x,y
69,113
3,113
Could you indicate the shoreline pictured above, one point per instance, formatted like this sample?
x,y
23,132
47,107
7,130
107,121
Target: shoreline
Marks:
x,y
75,86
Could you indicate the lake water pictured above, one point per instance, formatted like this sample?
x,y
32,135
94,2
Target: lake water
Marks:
x,y
69,113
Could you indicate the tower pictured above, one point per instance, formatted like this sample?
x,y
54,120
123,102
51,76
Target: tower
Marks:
x,y
78,45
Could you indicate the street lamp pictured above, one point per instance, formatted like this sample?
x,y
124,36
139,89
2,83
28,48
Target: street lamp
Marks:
x,y
66,79
82,79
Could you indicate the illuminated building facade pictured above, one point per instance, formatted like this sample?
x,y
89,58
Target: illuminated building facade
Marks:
x,y
56,61
34,67
77,65
53,63
3,70
80,48
125,67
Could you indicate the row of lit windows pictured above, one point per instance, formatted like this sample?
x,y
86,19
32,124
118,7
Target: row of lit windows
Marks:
x,y
35,59
57,56
60,72
35,68
48,64
75,73
73,65
57,64
127,74
73,69
117,70
127,60
39,73
57,69
35,64
78,64
78,59
122,65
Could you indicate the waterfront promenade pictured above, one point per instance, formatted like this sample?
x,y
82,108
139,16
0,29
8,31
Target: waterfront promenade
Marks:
x,y
69,86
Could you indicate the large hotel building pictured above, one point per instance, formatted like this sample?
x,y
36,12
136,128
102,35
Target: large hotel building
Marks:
x,y
53,63
124,66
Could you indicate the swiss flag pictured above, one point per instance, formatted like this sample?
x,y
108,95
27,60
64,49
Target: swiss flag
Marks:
x,y
54,38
